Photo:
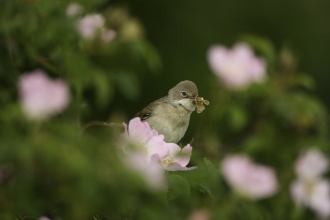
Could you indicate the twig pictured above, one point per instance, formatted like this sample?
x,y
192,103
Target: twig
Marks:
x,y
100,123
192,140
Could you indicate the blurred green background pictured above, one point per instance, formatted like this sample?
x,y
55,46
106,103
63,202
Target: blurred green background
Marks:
x,y
182,31
73,174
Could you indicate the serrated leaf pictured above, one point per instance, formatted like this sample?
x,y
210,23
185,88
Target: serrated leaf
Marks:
x,y
178,187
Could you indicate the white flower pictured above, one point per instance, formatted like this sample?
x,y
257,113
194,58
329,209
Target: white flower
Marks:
x,y
312,193
311,164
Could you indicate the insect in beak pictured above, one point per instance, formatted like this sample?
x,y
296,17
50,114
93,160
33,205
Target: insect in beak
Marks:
x,y
200,102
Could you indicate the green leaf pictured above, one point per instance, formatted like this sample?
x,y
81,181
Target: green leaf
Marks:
x,y
178,187
207,189
213,173
306,81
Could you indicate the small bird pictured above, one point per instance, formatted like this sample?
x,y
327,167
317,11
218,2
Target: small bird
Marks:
x,y
170,115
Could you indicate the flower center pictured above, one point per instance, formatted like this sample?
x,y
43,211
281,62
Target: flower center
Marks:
x,y
167,161
142,147
310,185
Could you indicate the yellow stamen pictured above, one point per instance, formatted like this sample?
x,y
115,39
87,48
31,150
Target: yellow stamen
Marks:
x,y
167,161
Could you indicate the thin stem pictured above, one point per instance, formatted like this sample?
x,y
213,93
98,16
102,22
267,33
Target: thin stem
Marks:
x,y
100,123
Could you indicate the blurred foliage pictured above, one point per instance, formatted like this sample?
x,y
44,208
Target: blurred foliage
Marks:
x,y
55,169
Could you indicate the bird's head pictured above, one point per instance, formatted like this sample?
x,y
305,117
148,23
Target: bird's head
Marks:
x,y
184,94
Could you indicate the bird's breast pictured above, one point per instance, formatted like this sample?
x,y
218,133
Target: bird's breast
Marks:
x,y
171,121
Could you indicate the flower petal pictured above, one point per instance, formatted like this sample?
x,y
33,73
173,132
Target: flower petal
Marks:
x,y
140,131
183,157
176,166
156,145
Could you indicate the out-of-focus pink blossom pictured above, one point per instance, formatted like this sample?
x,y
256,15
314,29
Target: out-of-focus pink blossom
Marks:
x,y
248,179
150,148
42,97
178,158
147,140
151,171
90,25
311,164
108,35
44,218
74,9
314,194
200,214
238,67
146,152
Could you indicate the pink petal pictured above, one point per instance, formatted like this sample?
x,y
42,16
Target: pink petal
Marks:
x,y
298,192
151,171
178,167
125,134
217,55
140,131
183,157
41,96
238,67
320,198
174,149
311,164
108,35
242,51
249,179
157,146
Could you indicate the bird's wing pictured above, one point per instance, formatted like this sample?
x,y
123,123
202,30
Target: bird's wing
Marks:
x,y
147,111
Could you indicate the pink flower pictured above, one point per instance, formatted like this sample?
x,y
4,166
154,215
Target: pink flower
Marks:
x,y
108,35
310,189
312,193
237,68
42,97
90,25
178,158
200,214
249,179
74,9
146,140
151,171
149,143
146,157
311,164
44,218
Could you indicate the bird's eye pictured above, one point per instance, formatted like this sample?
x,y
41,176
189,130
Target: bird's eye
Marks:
x,y
183,93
